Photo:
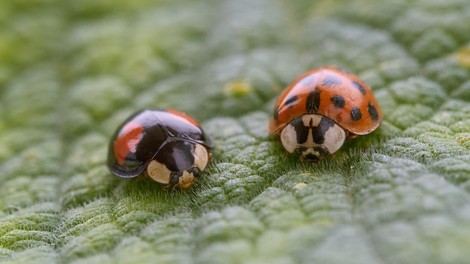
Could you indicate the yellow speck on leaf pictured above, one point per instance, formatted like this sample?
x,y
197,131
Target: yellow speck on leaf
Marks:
x,y
238,88
463,56
463,138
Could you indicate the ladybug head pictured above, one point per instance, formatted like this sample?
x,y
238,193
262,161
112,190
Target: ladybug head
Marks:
x,y
312,137
178,164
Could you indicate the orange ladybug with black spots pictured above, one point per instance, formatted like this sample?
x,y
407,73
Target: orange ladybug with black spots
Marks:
x,y
321,109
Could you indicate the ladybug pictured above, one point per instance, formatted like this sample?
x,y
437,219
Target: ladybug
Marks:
x,y
163,144
322,108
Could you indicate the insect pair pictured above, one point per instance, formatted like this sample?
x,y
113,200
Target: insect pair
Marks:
x,y
313,117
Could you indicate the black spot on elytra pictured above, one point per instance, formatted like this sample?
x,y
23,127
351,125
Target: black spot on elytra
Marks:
x,y
356,114
372,112
313,102
275,113
338,101
290,102
319,132
359,87
331,80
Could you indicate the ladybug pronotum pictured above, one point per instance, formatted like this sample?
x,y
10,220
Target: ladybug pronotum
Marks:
x,y
321,109
163,144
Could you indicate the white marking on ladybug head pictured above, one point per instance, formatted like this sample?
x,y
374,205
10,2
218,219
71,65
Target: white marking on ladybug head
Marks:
x,y
319,135
289,138
201,157
158,172
334,138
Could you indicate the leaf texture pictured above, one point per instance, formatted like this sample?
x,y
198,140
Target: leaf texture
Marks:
x,y
71,71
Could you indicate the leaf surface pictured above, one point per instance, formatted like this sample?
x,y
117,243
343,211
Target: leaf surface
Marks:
x,y
71,71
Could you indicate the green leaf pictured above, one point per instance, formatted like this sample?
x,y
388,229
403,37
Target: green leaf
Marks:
x,y
71,71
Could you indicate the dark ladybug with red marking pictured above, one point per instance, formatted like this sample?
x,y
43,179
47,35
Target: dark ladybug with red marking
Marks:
x,y
322,108
166,145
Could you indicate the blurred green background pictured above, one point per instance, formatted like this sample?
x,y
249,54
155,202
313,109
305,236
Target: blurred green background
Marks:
x,y
71,71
